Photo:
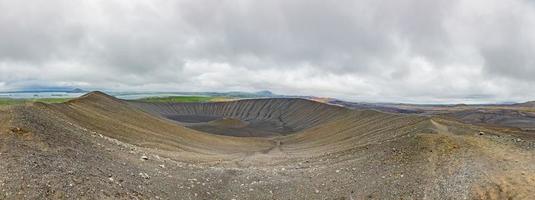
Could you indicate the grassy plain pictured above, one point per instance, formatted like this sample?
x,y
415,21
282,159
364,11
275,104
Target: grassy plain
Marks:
x,y
11,101
183,99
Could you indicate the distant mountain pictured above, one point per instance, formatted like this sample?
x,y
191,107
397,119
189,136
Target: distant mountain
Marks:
x,y
76,90
49,89
237,94
266,93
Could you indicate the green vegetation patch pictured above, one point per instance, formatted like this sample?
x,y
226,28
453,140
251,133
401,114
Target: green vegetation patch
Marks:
x,y
182,99
10,101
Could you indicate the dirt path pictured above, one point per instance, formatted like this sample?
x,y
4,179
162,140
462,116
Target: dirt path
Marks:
x,y
441,128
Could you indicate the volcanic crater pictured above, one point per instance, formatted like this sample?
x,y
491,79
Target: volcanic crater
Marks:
x,y
101,147
245,118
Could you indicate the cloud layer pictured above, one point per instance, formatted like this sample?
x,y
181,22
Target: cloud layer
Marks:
x,y
365,50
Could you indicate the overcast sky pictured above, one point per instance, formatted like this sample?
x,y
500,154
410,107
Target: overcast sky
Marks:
x,y
364,50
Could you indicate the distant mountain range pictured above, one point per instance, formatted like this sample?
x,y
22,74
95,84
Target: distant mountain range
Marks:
x,y
49,89
389,107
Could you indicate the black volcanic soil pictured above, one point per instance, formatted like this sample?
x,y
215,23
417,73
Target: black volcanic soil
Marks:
x,y
220,125
514,116
241,128
501,117
99,147
192,118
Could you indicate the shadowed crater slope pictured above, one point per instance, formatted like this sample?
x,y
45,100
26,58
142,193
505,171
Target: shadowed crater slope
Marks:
x,y
247,118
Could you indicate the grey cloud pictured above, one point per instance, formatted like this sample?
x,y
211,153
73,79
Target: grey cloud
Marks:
x,y
409,50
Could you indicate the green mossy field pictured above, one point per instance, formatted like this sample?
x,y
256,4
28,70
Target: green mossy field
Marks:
x,y
10,101
182,99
